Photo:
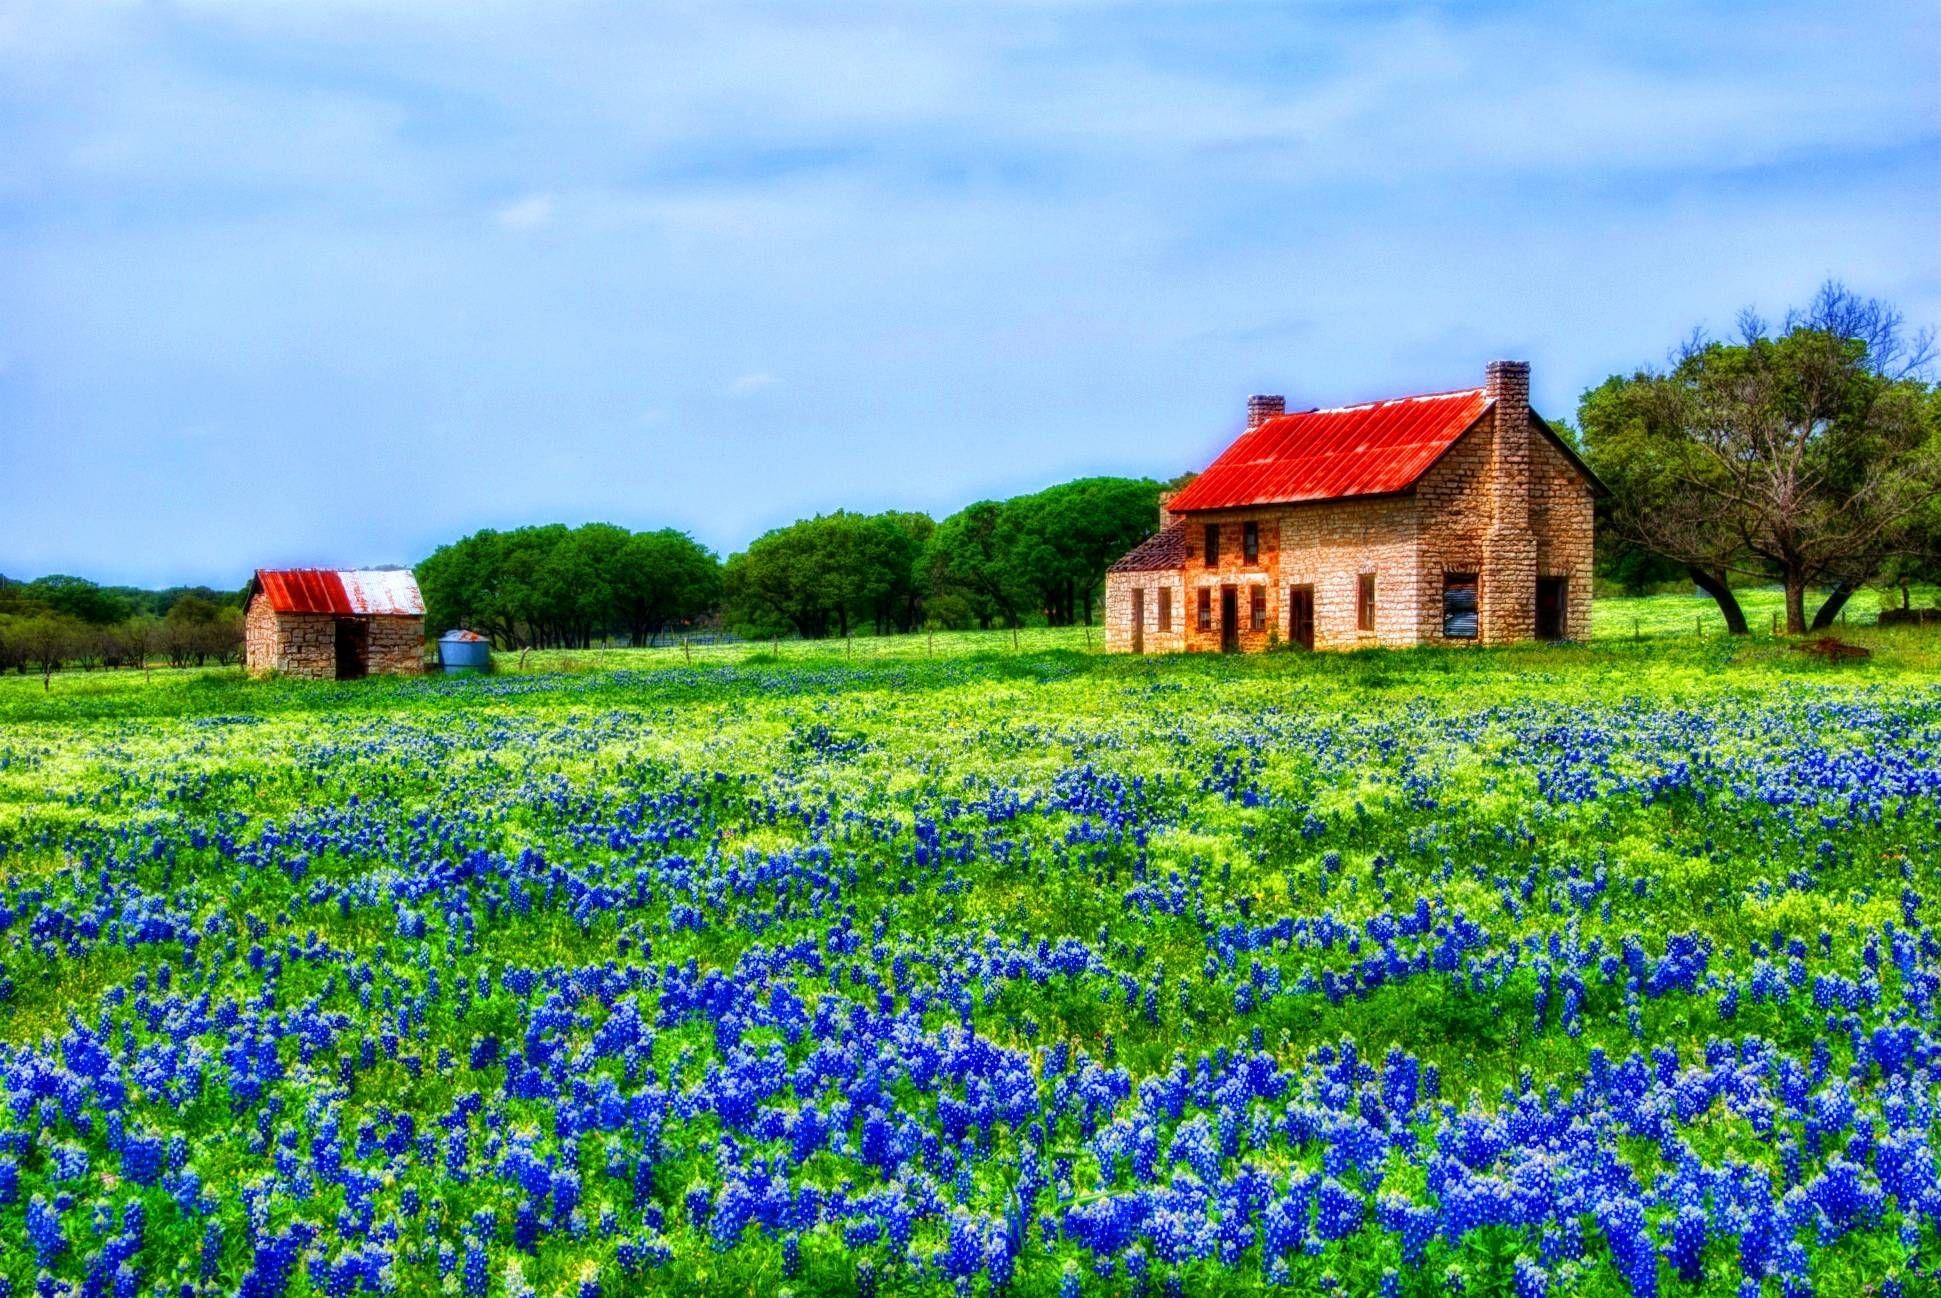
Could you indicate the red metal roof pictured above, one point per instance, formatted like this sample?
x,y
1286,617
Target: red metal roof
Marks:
x,y
1366,450
346,592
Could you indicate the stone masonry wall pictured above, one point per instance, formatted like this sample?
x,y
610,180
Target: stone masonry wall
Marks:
x,y
1562,515
397,646
1453,518
1232,570
1326,545
1118,611
259,637
302,644
1330,547
305,644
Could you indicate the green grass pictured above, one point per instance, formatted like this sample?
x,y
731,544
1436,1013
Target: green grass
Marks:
x,y
1719,804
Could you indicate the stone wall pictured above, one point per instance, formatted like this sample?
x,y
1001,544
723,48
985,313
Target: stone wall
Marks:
x,y
1118,611
259,637
1454,517
1563,508
300,644
305,644
397,646
1327,545
1330,547
1232,570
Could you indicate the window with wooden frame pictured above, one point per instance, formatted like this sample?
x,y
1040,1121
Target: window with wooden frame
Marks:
x,y
1212,545
1459,605
1250,542
1257,609
1165,608
1365,602
1206,608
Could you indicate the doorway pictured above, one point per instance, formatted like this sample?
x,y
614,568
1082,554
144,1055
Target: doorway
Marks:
x,y
1229,620
1300,616
353,648
1138,619
1551,603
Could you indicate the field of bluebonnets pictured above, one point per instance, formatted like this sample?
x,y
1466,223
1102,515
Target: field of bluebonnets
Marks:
x,y
1556,970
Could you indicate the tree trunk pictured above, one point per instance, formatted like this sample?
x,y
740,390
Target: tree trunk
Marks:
x,y
1714,584
1834,603
1795,605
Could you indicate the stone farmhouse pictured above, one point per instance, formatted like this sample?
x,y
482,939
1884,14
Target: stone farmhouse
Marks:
x,y
1456,517
334,624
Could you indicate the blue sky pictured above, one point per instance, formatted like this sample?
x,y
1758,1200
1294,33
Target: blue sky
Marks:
x,y
299,283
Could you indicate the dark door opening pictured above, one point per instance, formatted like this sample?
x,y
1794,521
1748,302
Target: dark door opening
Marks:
x,y
1551,603
1138,619
1229,620
353,648
1300,616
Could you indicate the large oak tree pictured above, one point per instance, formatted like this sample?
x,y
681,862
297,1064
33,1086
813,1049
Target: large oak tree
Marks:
x,y
1805,454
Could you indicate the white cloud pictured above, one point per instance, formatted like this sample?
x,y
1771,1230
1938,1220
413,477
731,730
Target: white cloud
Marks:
x,y
529,213
747,385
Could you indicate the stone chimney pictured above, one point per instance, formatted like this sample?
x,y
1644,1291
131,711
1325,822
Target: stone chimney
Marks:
x,y
1509,594
1261,408
1165,514
1507,384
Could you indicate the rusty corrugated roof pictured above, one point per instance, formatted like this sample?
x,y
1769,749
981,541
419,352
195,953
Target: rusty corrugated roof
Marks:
x,y
346,592
1162,551
1367,450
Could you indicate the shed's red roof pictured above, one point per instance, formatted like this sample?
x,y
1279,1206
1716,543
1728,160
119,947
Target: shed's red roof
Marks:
x,y
347,592
1366,450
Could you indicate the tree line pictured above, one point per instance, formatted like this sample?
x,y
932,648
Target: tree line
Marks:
x,y
565,587
58,621
1038,557
1806,454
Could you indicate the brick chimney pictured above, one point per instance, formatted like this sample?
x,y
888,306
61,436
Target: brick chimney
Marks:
x,y
1509,594
1261,408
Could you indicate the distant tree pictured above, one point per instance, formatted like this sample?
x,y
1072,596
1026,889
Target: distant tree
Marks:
x,y
660,579
80,599
1060,541
221,637
190,633
46,640
554,586
1804,456
138,638
824,575
967,569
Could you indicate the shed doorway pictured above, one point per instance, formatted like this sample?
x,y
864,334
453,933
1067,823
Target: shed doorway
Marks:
x,y
1551,604
1138,619
1300,616
353,648
1229,620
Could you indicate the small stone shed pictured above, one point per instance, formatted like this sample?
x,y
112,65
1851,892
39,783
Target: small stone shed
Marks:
x,y
1449,518
334,624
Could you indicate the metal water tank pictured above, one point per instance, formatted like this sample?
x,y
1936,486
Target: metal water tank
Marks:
x,y
464,651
